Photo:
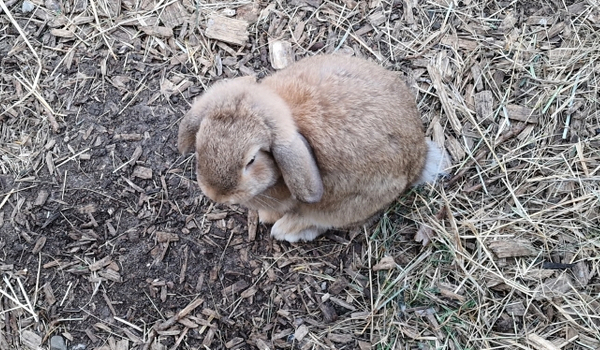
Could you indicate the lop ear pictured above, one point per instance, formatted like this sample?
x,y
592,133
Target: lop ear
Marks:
x,y
298,166
188,128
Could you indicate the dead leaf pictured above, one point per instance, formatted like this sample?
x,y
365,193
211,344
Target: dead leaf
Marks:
x,y
386,263
424,235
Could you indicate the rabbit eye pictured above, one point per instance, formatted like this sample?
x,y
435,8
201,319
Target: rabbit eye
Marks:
x,y
251,161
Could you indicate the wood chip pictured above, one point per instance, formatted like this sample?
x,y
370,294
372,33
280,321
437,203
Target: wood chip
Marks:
x,y
142,172
455,42
449,293
168,89
541,343
249,12
512,248
127,137
338,286
87,209
281,54
111,275
340,338
477,76
100,263
208,338
252,224
300,333
49,294
377,18
342,303
521,113
363,345
31,339
233,31
91,335
262,344
582,273
249,292
157,31
516,309
41,198
188,323
235,288
166,237
554,287
215,216
62,33
484,104
174,14
122,344
50,163
329,314
233,342
39,244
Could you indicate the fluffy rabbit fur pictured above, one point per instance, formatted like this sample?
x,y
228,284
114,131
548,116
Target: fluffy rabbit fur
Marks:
x,y
325,143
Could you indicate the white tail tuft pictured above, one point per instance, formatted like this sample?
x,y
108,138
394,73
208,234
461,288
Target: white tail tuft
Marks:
x,y
437,164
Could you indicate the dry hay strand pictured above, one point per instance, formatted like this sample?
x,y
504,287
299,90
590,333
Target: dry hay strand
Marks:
x,y
511,91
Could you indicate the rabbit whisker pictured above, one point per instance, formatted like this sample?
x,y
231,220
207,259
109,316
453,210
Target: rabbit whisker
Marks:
x,y
270,198
264,203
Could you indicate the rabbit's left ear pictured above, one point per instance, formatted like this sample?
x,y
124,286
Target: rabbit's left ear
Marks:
x,y
188,128
298,166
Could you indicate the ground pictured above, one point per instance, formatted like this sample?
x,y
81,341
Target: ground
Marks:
x,y
107,242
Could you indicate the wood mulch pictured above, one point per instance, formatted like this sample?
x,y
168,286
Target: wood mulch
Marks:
x,y
106,242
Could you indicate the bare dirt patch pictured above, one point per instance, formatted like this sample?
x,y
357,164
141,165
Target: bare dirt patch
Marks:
x,y
106,242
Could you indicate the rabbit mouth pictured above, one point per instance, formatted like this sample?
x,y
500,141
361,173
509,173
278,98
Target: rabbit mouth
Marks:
x,y
229,199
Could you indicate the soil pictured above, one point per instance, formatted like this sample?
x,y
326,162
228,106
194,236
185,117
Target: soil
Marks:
x,y
161,243
116,248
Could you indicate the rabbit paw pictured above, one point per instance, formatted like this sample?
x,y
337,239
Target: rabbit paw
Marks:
x,y
288,229
268,217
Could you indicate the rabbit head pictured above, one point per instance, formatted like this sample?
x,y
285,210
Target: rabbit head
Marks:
x,y
245,140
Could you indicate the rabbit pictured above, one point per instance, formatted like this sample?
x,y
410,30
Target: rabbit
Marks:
x,y
327,142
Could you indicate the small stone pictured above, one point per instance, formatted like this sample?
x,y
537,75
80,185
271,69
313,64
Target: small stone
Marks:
x,y
27,6
57,343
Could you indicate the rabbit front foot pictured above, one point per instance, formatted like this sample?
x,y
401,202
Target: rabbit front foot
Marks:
x,y
293,230
268,217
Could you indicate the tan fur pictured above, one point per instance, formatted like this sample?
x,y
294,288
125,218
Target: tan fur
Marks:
x,y
361,123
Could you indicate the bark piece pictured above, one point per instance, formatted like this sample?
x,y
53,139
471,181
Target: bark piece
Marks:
x,y
229,30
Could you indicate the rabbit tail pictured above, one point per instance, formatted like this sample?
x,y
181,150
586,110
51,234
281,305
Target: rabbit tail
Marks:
x,y
437,164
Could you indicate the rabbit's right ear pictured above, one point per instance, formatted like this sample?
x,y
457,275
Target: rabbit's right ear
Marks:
x,y
298,166
188,128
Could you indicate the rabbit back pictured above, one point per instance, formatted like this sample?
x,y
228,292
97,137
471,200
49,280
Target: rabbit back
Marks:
x,y
361,121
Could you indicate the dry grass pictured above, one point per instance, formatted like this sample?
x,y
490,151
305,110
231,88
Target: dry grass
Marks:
x,y
511,243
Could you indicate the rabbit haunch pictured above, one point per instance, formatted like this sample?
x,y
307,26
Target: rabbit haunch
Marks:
x,y
325,143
